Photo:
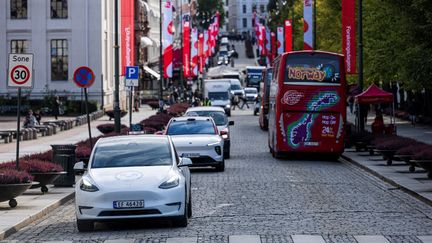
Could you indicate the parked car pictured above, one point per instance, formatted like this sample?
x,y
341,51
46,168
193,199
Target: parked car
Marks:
x,y
221,120
133,177
198,139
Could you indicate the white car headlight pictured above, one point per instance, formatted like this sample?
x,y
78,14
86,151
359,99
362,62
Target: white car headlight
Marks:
x,y
88,186
171,182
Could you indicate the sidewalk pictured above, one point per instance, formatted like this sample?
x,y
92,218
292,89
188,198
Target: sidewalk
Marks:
x,y
32,205
416,183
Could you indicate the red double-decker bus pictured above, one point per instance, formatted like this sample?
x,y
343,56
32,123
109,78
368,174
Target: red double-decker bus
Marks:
x,y
307,112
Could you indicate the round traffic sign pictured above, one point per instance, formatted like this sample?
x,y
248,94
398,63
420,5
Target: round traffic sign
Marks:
x,y
84,77
20,74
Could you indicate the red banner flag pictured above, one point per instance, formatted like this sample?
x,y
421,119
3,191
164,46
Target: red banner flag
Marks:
x,y
186,49
273,46
288,35
349,35
201,52
308,25
280,47
167,40
264,40
127,34
194,52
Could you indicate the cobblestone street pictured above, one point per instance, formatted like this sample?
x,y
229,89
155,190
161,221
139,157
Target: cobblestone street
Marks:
x,y
275,199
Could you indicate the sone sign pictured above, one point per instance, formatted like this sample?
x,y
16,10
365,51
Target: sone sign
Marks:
x,y
20,73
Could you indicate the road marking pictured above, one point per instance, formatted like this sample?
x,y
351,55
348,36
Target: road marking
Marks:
x,y
307,239
425,238
65,241
244,239
120,241
371,238
182,240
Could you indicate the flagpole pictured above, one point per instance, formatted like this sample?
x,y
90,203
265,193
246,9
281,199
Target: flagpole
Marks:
x,y
161,77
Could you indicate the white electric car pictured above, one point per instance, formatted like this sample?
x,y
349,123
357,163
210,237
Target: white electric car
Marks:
x,y
133,177
198,138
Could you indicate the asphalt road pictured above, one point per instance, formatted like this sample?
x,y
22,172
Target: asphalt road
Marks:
x,y
259,195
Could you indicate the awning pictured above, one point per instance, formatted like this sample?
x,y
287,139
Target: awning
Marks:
x,y
152,72
145,41
374,95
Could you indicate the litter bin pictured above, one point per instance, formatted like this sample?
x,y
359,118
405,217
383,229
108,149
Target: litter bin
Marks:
x,y
64,155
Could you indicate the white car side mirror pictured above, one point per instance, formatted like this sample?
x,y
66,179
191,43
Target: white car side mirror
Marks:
x,y
185,162
79,167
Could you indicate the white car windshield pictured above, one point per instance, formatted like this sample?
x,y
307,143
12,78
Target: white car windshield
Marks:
x,y
235,87
115,154
250,91
191,127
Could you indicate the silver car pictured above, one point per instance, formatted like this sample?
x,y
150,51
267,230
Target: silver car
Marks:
x,y
197,138
220,118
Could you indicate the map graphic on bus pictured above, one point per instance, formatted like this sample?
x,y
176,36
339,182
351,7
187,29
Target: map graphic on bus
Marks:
x,y
300,131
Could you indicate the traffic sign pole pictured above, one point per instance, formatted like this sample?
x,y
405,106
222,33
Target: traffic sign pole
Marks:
x,y
88,118
18,128
130,106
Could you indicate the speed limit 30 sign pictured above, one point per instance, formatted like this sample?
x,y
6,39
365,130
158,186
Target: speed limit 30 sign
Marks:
x,y
20,73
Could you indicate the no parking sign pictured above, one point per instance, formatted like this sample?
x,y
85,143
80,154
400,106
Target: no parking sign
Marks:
x,y
20,73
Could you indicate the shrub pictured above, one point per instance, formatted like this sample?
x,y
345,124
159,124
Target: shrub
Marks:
x,y
10,176
149,130
178,109
395,143
412,149
424,154
83,152
110,113
33,166
45,156
108,127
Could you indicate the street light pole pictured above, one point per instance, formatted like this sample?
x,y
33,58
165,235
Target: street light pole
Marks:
x,y
360,60
116,71
161,77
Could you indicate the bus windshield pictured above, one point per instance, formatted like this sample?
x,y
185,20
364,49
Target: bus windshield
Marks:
x,y
320,69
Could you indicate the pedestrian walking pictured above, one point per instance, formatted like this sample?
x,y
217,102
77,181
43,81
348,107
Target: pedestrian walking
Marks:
x,y
235,102
56,107
244,100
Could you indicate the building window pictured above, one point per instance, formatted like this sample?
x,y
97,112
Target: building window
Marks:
x,y
244,8
18,9
244,23
227,14
262,8
19,46
59,59
59,9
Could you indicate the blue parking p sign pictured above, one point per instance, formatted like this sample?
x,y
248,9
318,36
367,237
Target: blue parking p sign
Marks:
x,y
132,74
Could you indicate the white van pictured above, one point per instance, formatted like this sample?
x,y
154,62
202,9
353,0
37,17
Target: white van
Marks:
x,y
236,88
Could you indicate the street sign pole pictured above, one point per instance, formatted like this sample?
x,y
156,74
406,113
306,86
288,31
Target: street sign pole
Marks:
x,y
18,128
88,118
130,105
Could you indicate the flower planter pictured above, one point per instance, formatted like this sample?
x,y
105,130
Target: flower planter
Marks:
x,y
45,178
425,164
388,155
8,192
407,159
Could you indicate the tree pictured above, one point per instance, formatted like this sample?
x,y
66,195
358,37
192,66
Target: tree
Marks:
x,y
207,9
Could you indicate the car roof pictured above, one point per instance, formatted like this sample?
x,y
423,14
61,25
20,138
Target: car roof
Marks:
x,y
135,138
205,108
192,118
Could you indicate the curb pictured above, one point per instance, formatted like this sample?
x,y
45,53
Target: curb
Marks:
x,y
387,180
36,216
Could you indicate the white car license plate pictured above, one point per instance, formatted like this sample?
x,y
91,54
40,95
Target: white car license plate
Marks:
x,y
191,155
128,204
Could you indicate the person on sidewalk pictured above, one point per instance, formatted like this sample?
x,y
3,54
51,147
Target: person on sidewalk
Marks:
x,y
30,120
56,107
38,116
412,110
350,101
